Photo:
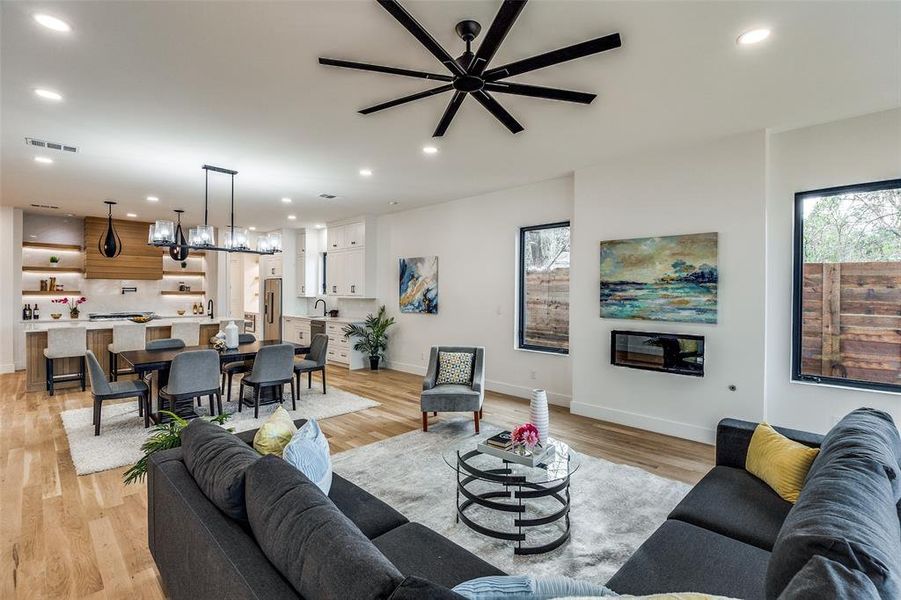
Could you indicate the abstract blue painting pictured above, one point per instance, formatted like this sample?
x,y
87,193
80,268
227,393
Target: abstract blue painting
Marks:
x,y
419,285
672,278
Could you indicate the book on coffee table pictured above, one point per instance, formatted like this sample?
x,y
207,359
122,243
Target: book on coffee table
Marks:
x,y
503,439
529,458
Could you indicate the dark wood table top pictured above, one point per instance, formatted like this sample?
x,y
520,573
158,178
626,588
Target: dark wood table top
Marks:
x,y
149,360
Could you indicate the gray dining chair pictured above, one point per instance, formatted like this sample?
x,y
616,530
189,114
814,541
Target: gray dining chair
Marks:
x,y
165,344
273,367
230,369
103,390
313,361
451,397
193,374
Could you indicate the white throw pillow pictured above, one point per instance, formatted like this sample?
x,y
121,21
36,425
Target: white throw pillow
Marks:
x,y
308,452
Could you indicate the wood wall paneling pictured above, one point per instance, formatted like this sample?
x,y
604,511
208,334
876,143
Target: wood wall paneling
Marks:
x,y
137,260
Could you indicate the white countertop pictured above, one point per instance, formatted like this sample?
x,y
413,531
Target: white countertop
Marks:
x,y
332,319
45,323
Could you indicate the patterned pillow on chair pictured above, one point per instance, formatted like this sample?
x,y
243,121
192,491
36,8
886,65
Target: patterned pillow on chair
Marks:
x,y
454,367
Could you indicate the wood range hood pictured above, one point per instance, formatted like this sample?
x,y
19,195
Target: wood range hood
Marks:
x,y
138,260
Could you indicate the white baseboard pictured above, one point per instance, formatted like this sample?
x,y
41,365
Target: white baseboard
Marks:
x,y
8,368
495,386
665,426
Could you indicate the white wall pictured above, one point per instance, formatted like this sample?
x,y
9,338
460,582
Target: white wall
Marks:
x,y
10,275
719,186
475,241
857,150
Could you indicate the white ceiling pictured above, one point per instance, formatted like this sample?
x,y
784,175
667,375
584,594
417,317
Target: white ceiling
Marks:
x,y
153,90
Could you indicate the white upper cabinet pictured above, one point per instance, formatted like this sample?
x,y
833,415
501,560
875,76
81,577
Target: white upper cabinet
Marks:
x,y
271,265
350,263
300,265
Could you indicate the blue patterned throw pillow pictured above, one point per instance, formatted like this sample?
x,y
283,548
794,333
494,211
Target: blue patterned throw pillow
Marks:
x,y
308,452
526,587
454,368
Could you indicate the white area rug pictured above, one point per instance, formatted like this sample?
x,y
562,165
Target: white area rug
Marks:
x,y
122,430
614,507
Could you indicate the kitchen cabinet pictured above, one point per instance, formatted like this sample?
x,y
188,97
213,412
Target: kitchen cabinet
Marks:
x,y
271,265
300,266
350,261
297,330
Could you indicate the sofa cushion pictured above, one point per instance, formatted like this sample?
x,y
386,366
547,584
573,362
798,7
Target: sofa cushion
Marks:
x,y
450,398
311,543
736,504
372,516
847,510
683,557
822,579
780,462
217,460
308,452
418,551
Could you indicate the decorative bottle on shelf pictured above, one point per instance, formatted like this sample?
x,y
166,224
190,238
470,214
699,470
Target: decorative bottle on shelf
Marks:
x,y
231,335
538,414
26,313
194,308
36,313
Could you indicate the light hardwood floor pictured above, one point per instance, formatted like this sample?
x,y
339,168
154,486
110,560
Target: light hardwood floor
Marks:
x,y
65,536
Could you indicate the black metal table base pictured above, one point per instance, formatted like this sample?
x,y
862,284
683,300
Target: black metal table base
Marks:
x,y
515,488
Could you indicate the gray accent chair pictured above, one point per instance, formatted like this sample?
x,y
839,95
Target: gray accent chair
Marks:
x,y
229,370
193,374
102,390
65,342
313,361
453,397
272,368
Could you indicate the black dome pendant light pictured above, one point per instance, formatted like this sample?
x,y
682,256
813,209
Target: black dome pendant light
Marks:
x,y
179,252
110,244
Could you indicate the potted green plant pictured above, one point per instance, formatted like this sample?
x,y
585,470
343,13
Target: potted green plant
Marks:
x,y
371,336
163,436
54,261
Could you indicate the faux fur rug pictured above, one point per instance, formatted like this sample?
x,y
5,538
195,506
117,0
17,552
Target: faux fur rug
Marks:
x,y
122,430
614,507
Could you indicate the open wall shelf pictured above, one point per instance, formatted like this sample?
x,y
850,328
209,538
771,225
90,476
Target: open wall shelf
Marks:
x,y
52,270
177,293
186,273
49,246
46,293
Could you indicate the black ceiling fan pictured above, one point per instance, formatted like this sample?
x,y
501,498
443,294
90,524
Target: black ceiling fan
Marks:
x,y
470,73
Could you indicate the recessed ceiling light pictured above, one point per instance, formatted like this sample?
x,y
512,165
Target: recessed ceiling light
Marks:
x,y
319,226
753,37
152,199
291,217
394,203
286,200
132,215
429,150
365,172
51,22
252,228
43,160
48,94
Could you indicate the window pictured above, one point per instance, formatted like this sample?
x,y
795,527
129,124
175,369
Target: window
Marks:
x,y
847,286
544,288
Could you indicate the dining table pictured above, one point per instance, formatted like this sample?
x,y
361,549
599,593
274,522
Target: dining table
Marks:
x,y
157,363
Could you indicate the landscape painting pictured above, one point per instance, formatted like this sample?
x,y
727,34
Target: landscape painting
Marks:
x,y
419,285
672,278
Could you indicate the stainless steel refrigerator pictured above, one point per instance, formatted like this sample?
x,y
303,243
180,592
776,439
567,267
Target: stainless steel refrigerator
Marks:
x,y
272,309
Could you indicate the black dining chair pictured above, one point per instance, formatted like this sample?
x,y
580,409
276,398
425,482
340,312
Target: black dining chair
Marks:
x,y
272,368
192,375
103,390
313,361
231,369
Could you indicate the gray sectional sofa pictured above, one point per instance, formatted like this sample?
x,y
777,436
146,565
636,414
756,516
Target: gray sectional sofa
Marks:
x,y
226,524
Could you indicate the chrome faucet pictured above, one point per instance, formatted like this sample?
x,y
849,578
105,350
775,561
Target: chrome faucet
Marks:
x,y
209,308
324,306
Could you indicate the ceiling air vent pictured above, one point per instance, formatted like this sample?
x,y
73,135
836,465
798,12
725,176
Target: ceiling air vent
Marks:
x,y
50,145
328,196
45,206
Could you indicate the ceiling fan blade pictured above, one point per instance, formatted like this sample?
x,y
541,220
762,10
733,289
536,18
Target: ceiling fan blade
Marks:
x,y
499,112
608,42
405,99
449,113
412,25
536,91
333,62
501,25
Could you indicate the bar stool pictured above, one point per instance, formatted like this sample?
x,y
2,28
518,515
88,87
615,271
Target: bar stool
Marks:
x,y
125,338
65,342
188,332
192,375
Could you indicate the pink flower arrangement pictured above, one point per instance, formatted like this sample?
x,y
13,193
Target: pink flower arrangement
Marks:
x,y
71,303
526,436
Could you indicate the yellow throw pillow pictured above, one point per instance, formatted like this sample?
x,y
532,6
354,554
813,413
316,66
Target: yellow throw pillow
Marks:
x,y
780,462
275,433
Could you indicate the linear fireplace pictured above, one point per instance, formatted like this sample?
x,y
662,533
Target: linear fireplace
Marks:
x,y
677,353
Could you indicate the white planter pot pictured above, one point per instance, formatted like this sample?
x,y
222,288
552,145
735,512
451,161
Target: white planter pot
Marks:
x,y
538,414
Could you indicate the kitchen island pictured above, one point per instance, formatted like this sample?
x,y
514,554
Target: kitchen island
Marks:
x,y
99,337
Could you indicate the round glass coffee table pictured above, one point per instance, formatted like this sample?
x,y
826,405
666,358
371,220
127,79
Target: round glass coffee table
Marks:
x,y
536,498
